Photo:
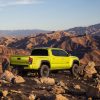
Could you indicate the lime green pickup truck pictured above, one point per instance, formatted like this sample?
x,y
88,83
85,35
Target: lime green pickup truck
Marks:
x,y
45,60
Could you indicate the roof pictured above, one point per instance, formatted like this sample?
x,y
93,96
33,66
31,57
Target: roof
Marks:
x,y
46,48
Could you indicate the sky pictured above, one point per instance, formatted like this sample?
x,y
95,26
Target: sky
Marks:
x,y
48,14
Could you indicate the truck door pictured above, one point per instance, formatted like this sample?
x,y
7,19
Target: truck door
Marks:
x,y
59,59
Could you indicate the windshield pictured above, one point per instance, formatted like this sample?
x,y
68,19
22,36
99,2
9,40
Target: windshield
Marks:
x,y
39,52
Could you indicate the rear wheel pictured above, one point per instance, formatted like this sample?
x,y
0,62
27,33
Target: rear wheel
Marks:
x,y
75,70
44,71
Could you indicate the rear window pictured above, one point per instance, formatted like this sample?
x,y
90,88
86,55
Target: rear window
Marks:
x,y
39,52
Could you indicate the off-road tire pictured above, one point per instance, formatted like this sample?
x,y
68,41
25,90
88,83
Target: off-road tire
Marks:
x,y
75,70
44,71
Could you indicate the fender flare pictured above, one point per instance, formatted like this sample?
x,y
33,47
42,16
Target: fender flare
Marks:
x,y
45,62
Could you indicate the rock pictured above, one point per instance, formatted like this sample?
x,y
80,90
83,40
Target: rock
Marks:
x,y
61,83
5,82
58,90
5,93
77,87
49,88
7,75
46,97
89,98
23,97
90,70
9,98
14,91
1,81
48,81
98,85
10,77
37,81
61,97
1,71
32,97
93,92
19,79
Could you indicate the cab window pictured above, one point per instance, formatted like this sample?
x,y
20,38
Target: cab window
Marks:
x,y
59,53
39,52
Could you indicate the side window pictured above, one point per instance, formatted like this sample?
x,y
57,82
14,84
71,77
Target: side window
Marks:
x,y
39,52
59,53
55,52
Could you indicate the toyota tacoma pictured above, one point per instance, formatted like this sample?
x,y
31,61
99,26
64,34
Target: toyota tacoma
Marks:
x,y
44,60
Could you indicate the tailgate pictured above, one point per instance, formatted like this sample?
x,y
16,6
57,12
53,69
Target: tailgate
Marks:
x,y
19,60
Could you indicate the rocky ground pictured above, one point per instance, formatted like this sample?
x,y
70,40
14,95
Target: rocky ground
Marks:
x,y
60,86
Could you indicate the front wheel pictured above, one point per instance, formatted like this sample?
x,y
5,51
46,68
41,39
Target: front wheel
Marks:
x,y
75,70
44,71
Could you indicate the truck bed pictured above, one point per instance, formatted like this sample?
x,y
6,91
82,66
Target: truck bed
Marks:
x,y
19,60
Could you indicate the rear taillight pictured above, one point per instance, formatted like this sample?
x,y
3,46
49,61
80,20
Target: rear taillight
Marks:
x,y
30,60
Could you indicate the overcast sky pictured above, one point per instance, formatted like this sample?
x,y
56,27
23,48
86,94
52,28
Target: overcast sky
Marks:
x,y
48,14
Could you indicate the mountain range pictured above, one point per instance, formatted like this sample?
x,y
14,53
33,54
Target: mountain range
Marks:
x,y
93,30
21,33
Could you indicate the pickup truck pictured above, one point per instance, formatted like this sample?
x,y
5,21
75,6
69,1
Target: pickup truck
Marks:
x,y
44,60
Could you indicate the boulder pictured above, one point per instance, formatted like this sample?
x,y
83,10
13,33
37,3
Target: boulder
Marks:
x,y
77,87
61,83
93,92
98,85
48,81
58,90
5,93
14,91
37,81
7,75
19,79
1,71
32,97
89,98
46,97
61,97
90,70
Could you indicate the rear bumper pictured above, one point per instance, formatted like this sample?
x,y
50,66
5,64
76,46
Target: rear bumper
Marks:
x,y
24,67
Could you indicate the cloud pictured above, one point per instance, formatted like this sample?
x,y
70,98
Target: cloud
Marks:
x,y
6,3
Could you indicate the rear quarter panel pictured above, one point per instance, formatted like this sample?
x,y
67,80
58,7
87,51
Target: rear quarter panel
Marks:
x,y
37,62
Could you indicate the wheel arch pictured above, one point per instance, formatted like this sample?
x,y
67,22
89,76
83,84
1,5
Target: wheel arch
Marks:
x,y
76,62
45,62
